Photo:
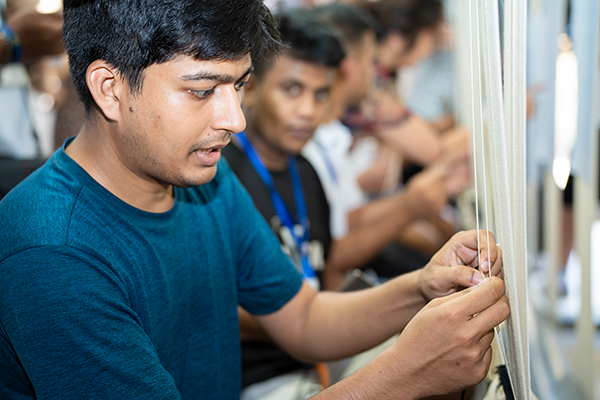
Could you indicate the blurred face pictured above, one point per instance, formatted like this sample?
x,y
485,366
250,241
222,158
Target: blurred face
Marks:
x,y
285,105
173,132
393,52
361,69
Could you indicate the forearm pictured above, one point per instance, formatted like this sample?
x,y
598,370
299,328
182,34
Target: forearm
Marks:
x,y
371,235
385,377
414,138
371,212
338,325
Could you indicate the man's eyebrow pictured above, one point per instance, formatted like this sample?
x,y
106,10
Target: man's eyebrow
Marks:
x,y
223,78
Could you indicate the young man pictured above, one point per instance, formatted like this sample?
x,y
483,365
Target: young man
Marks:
x,y
123,259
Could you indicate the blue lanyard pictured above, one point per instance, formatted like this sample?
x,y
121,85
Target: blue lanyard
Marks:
x,y
284,214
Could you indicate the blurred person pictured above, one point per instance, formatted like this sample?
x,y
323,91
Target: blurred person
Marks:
x,y
390,143
410,30
25,37
352,213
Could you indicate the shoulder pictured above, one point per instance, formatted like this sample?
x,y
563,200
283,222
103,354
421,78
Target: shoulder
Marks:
x,y
38,211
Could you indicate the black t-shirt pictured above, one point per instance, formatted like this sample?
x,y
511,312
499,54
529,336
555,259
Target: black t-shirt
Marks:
x,y
262,361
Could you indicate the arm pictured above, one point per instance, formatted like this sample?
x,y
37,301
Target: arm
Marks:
x,y
330,325
334,325
427,360
378,223
324,326
414,138
250,329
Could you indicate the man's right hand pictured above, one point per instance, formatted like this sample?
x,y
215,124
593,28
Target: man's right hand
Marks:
x,y
446,346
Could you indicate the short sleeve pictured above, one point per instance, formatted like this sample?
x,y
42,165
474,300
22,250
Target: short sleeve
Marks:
x,y
266,277
67,318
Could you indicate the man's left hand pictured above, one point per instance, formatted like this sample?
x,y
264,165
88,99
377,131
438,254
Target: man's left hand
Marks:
x,y
456,265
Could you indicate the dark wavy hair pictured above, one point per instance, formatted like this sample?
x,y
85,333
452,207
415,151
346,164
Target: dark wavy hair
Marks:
x,y
306,39
350,20
407,17
134,34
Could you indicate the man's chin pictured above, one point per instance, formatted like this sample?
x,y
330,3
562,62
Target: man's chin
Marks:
x,y
193,180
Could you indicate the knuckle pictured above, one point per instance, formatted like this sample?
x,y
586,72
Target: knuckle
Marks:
x,y
465,337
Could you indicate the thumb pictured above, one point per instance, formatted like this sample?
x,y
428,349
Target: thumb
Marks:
x,y
474,299
450,279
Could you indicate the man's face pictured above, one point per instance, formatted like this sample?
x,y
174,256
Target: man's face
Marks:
x,y
288,103
361,70
174,130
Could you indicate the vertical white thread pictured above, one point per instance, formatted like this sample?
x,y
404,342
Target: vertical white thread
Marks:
x,y
483,160
484,170
473,131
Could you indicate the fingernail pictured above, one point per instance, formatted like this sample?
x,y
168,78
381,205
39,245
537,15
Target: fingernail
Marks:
x,y
477,278
483,282
485,266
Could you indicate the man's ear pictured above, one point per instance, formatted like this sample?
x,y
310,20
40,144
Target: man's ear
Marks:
x,y
346,67
107,88
251,91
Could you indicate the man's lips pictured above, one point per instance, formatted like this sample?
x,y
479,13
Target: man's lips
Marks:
x,y
211,149
211,155
302,132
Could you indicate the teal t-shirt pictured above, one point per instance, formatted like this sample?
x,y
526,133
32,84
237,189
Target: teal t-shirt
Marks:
x,y
100,300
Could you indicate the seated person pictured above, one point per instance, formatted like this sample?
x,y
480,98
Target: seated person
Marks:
x,y
328,152
284,103
409,31
123,259
25,38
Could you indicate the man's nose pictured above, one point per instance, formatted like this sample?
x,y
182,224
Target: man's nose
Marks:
x,y
228,111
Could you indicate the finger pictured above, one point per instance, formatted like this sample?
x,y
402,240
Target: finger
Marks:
x,y
497,262
464,246
492,316
476,299
487,338
487,360
497,266
488,248
458,276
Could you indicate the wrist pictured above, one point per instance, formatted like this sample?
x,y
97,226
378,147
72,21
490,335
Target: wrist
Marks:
x,y
11,45
421,284
406,208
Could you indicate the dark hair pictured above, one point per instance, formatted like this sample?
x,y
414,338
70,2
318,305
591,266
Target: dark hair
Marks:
x,y
307,39
352,22
134,34
407,17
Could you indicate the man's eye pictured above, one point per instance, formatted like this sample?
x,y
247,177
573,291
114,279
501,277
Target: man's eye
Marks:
x,y
292,90
202,94
322,95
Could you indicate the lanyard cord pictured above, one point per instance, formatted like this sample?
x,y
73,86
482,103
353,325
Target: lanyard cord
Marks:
x,y
298,232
